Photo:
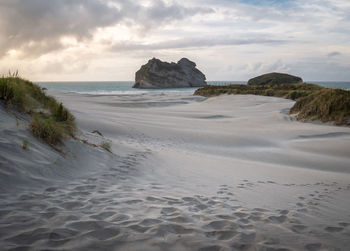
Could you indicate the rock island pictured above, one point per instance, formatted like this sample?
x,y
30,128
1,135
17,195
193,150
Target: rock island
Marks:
x,y
157,74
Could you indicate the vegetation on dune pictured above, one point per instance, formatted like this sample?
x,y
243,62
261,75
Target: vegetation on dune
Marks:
x,y
51,122
106,145
25,144
325,105
290,91
313,102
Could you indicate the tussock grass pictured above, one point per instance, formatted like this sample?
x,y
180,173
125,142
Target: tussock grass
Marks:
x,y
106,145
324,105
313,102
290,91
51,122
25,145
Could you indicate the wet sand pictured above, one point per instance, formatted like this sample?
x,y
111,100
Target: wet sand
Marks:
x,y
186,173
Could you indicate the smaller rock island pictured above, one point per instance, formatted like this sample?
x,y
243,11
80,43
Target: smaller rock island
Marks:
x,y
157,74
275,78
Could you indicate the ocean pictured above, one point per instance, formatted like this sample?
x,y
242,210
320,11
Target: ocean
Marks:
x,y
125,87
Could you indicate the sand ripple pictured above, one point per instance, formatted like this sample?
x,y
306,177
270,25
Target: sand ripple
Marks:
x,y
150,195
78,216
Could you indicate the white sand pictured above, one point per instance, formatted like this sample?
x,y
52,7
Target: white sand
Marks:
x,y
230,172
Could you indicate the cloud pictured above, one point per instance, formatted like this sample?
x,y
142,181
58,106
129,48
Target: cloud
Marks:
x,y
333,54
260,68
159,13
268,2
317,69
194,42
36,27
66,39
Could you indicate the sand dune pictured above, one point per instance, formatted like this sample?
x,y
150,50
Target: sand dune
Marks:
x,y
186,173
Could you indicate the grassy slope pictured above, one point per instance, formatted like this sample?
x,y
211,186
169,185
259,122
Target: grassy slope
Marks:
x,y
313,102
325,105
290,91
51,121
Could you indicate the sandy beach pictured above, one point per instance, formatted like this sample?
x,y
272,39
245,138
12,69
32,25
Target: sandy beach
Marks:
x,y
185,173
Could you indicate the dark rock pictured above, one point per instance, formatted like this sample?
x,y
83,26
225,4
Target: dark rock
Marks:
x,y
158,74
274,78
97,132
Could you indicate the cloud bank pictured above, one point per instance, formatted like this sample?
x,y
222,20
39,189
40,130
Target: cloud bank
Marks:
x,y
229,39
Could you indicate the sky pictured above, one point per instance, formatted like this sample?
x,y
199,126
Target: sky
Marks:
x,y
91,40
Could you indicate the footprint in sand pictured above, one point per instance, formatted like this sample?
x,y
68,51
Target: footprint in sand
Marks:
x,y
103,215
103,234
313,246
62,234
164,229
271,182
210,248
71,205
224,217
179,219
241,214
333,229
246,238
284,212
150,222
277,219
30,237
298,228
221,224
343,224
225,235
51,189
168,210
139,229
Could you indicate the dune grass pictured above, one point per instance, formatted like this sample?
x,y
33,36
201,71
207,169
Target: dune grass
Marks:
x,y
106,145
51,122
290,91
25,145
325,105
313,102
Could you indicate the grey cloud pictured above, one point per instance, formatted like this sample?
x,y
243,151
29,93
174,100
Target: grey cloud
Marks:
x,y
333,54
36,26
257,68
316,68
160,12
